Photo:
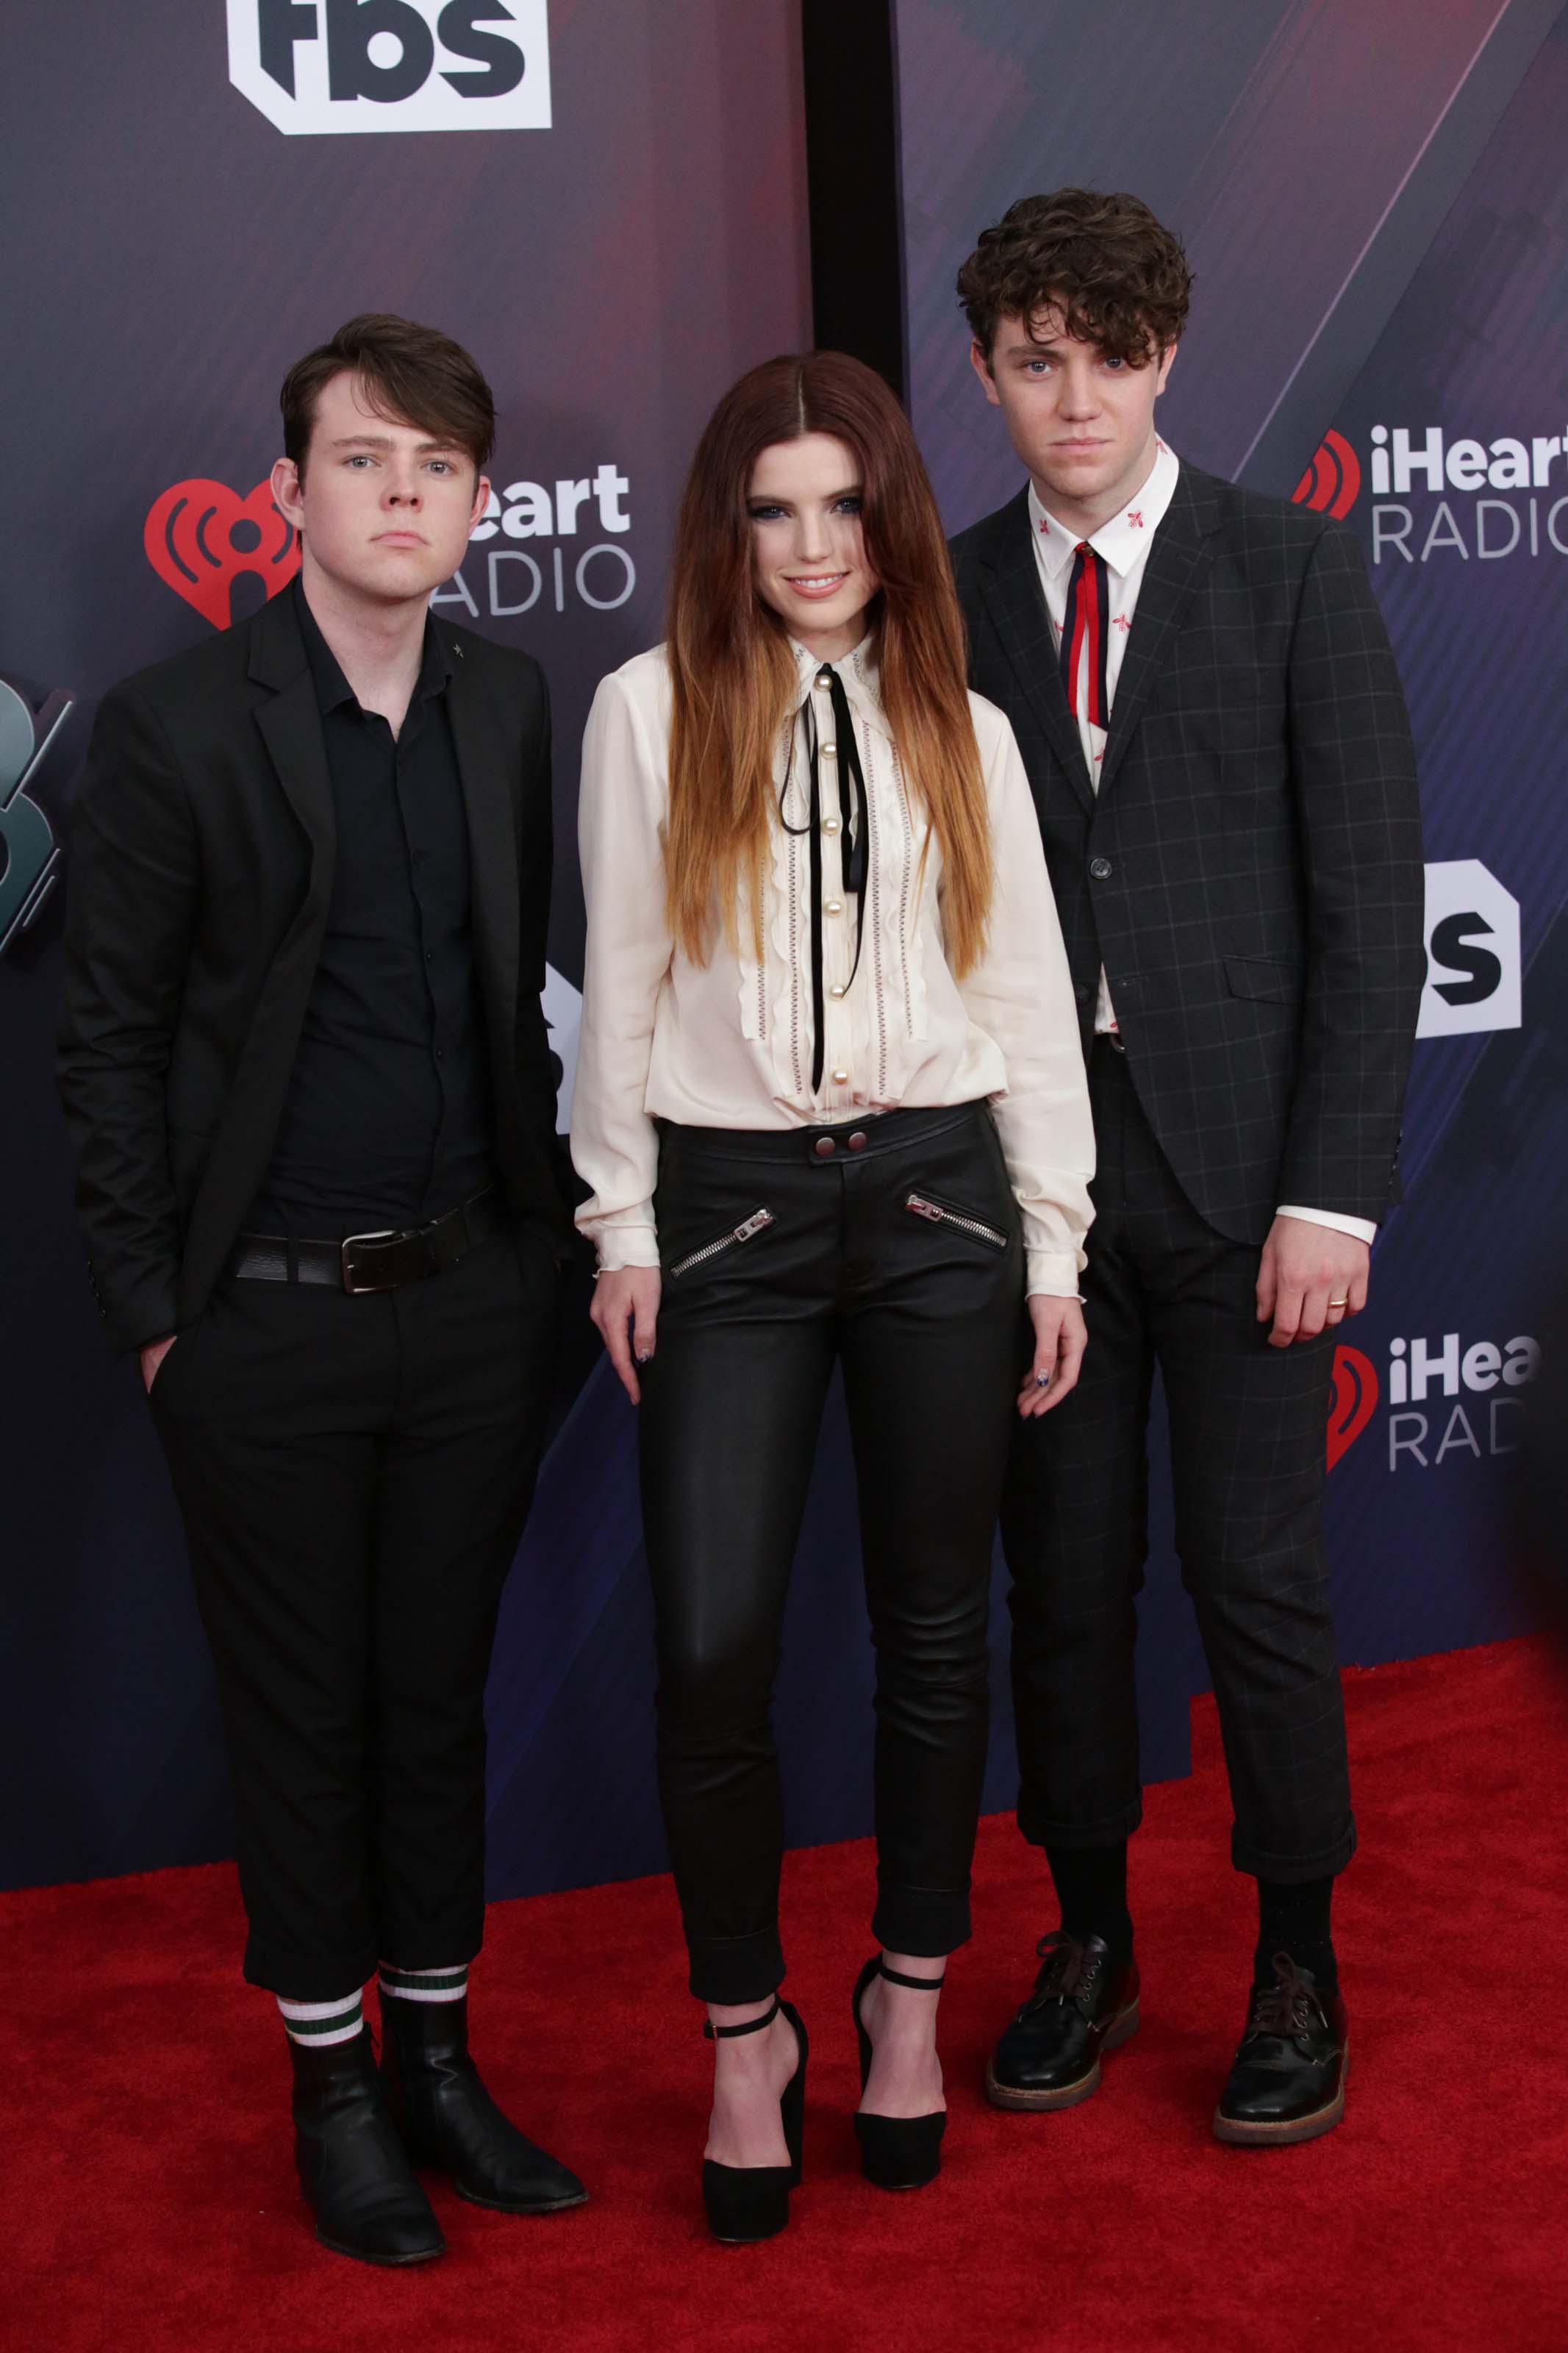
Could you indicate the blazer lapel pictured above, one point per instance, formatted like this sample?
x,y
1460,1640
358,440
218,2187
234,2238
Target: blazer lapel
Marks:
x,y
290,726
492,845
1177,561
1017,605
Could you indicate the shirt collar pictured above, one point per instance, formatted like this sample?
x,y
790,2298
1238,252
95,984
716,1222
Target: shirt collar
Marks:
x,y
332,688
858,672
1126,536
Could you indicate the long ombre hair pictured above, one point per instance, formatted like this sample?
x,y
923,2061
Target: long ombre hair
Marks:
x,y
735,678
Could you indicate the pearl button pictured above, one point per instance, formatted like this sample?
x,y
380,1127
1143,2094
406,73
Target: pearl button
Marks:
x,y
827,750
837,989
830,825
841,1078
833,907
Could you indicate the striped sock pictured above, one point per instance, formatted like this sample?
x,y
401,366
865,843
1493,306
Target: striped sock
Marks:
x,y
322,2021
425,1984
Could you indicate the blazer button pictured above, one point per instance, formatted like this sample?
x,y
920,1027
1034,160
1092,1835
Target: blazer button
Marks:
x,y
1099,868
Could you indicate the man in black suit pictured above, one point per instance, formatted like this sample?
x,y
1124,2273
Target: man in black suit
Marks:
x,y
308,1076
1207,703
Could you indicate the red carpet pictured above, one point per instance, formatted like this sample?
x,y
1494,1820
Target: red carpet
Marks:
x,y
151,2198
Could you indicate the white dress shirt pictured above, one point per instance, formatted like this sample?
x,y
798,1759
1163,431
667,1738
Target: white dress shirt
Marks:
x,y
1123,544
730,1044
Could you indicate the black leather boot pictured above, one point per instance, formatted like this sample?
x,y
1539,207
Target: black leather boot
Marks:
x,y
354,2169
448,2119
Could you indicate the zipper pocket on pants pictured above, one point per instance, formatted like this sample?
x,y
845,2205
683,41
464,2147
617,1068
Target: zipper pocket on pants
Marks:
x,y
741,1233
940,1216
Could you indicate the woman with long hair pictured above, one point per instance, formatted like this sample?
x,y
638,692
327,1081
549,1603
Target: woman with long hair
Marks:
x,y
830,1105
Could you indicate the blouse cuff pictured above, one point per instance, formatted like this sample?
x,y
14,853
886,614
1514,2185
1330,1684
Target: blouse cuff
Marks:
x,y
620,1246
1051,1273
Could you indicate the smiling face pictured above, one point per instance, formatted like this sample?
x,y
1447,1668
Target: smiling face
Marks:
x,y
808,551
1082,421
384,508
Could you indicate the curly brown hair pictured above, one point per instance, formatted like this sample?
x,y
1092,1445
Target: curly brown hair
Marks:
x,y
1120,278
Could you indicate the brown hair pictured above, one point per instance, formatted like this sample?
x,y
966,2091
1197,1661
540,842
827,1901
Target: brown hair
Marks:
x,y
411,374
1119,278
733,676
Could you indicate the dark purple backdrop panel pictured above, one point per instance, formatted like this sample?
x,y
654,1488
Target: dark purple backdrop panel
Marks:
x,y
1375,204
168,254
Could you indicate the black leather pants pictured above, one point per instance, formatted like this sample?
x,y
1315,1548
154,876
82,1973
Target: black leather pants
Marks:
x,y
782,1252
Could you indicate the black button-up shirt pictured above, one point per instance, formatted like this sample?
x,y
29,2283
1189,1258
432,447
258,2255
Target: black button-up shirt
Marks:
x,y
387,1117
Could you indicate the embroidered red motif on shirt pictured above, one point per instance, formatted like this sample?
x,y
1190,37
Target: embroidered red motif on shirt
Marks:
x,y
1136,518
1123,622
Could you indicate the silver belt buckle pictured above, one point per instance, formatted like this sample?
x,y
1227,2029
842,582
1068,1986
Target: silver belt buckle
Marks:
x,y
350,1284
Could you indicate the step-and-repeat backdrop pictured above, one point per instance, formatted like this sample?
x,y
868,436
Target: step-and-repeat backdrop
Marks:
x,y
604,199
1374,200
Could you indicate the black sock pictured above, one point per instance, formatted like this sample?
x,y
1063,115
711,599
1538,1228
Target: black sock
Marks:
x,y
1294,1919
1091,1888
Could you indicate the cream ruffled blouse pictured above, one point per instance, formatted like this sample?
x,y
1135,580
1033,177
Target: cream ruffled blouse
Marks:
x,y
730,1044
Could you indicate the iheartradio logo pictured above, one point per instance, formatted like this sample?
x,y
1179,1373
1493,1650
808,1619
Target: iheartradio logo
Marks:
x,y
200,536
1354,1400
1332,482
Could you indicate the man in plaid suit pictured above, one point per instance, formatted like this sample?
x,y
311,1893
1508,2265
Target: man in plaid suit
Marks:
x,y
1205,697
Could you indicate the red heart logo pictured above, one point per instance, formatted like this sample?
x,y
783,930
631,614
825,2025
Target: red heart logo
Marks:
x,y
199,538
1354,1402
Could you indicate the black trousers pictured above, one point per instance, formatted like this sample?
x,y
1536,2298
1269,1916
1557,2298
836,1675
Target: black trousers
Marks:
x,y
353,1475
1248,1439
781,1253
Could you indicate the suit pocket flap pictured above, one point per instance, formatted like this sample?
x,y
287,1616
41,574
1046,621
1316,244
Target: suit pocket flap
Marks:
x,y
1261,977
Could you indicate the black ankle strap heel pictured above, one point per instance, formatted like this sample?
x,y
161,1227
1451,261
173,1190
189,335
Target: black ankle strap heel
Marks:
x,y
748,2202
896,2152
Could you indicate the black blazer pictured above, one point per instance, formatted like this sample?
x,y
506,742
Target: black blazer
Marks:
x,y
1249,873
201,873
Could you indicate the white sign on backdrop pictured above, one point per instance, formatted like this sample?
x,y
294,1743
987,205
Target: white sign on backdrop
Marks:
x,y
322,66
1472,952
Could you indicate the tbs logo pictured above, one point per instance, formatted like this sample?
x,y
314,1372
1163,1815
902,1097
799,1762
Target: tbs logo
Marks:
x,y
312,65
1472,952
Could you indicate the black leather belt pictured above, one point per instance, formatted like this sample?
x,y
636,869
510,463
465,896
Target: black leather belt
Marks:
x,y
377,1261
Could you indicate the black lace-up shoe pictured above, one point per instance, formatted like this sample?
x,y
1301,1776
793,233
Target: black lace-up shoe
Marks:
x,y
1083,2005
1287,2082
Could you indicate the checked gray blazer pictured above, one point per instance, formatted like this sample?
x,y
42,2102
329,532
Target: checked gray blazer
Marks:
x,y
1249,872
